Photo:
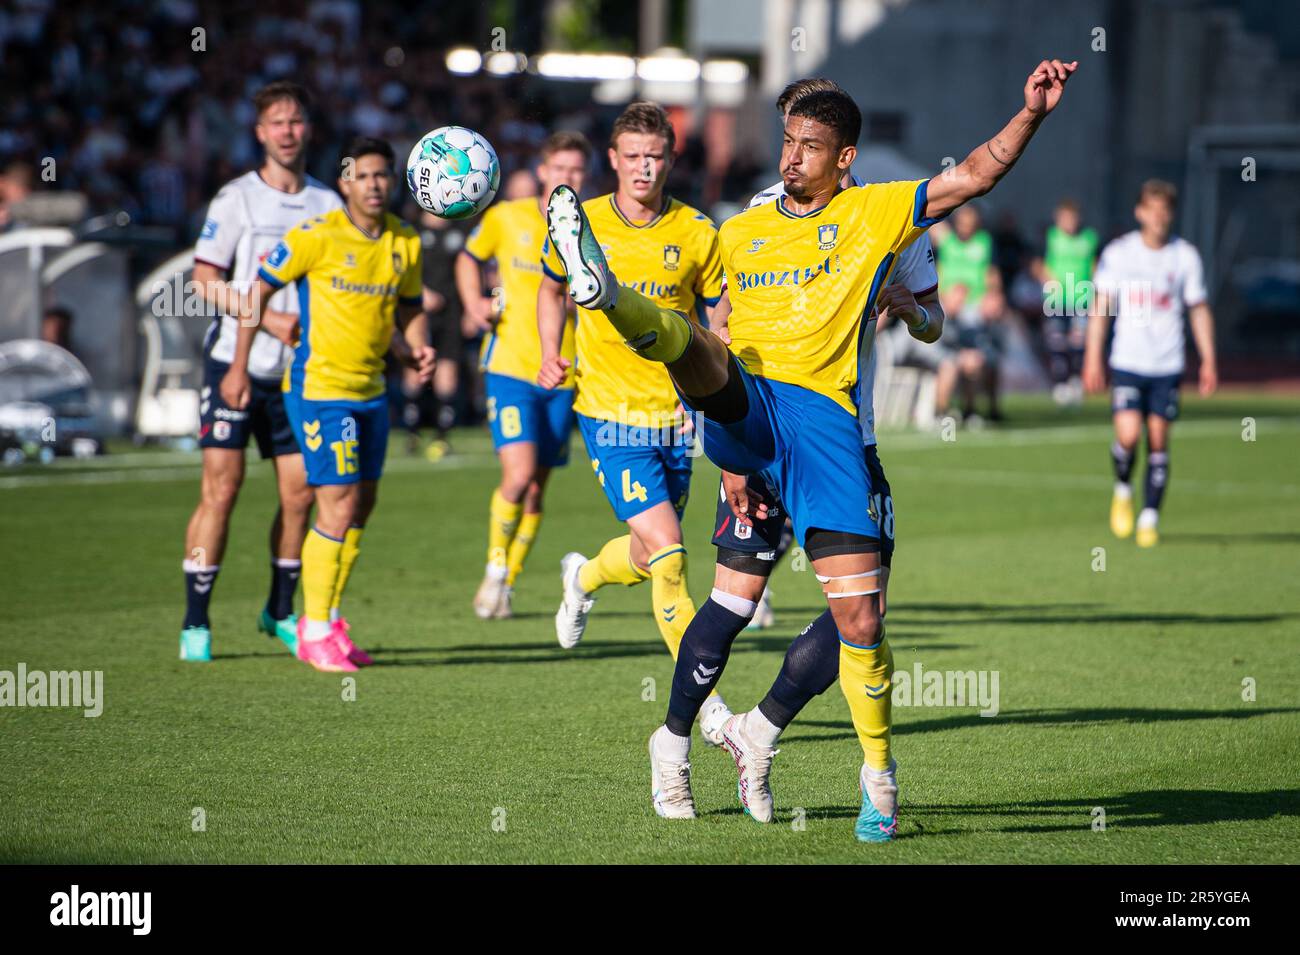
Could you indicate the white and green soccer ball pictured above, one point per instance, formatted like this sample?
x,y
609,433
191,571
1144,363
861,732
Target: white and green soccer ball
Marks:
x,y
453,172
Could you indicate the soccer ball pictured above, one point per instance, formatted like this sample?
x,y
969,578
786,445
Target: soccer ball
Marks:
x,y
453,172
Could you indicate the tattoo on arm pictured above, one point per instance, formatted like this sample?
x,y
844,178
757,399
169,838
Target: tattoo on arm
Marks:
x,y
1004,162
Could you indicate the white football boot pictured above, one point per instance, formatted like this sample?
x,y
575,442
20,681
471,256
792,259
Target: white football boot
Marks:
x,y
591,284
713,716
670,777
487,600
505,606
571,618
753,767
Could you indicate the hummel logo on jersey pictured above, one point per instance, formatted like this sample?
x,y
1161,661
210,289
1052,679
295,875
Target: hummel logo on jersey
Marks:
x,y
350,261
707,673
756,244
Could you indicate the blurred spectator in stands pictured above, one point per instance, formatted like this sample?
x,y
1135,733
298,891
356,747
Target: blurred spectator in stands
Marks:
x,y
1065,273
966,272
56,326
16,183
1011,251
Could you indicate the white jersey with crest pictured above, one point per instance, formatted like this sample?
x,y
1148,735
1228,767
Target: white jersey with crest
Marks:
x,y
1150,290
915,269
245,221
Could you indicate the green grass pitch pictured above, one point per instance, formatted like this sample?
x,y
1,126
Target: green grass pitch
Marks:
x,y
1119,689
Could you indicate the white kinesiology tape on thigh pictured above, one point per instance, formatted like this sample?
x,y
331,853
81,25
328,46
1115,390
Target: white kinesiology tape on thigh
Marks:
x,y
836,587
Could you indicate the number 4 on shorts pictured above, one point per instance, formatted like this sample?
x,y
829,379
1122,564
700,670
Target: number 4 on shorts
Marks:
x,y
632,490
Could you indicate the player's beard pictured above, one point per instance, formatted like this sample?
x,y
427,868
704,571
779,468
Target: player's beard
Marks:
x,y
797,190
293,160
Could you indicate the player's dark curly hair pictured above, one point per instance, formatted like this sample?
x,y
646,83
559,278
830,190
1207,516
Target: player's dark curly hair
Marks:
x,y
834,109
359,146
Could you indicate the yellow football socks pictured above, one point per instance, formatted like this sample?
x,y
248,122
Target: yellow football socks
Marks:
x,y
673,607
866,678
347,558
613,565
636,317
321,561
517,553
503,524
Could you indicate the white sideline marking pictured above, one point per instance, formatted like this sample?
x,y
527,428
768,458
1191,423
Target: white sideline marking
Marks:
x,y
1085,482
192,470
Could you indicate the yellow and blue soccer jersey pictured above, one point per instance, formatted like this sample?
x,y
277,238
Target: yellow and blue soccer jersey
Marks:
x,y
672,259
800,285
349,285
511,233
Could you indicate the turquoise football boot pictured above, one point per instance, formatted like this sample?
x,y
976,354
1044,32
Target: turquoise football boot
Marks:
x,y
196,644
285,630
872,824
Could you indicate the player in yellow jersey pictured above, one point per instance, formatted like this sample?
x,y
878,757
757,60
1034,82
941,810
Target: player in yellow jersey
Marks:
x,y
530,425
357,271
628,412
782,402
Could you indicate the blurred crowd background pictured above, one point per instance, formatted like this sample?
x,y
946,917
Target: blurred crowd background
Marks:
x,y
120,120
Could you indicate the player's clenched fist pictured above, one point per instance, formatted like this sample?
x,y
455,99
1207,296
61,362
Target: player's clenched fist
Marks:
x,y
236,389
424,358
897,303
1045,85
553,371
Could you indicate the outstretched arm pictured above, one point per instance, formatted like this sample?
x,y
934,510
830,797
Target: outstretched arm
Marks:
x,y
979,172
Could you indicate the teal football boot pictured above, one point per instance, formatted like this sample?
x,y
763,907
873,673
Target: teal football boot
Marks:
x,y
873,825
196,644
285,630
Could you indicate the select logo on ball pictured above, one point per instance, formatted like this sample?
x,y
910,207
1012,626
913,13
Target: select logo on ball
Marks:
x,y
453,172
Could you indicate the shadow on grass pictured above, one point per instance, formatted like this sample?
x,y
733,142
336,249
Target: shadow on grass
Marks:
x,y
770,642
1144,809
1061,717
1257,537
1137,810
902,614
547,652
